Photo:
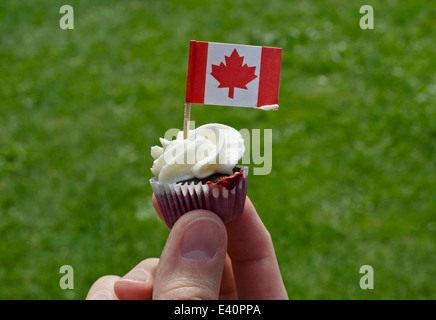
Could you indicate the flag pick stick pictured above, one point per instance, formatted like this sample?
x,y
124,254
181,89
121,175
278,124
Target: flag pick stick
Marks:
x,y
186,120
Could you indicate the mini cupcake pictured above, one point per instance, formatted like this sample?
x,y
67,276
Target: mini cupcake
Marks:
x,y
200,172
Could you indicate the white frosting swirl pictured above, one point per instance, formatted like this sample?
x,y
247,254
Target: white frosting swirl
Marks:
x,y
211,148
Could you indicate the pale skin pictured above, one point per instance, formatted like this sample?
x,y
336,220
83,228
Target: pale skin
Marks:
x,y
203,259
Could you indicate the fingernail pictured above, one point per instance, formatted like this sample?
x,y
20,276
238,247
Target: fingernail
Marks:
x,y
102,295
137,275
201,240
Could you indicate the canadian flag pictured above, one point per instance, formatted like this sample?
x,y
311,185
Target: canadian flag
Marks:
x,y
233,75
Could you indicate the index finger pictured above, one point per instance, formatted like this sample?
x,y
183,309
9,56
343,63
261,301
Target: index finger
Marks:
x,y
255,267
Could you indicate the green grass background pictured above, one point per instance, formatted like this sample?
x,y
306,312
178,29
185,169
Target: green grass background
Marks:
x,y
353,179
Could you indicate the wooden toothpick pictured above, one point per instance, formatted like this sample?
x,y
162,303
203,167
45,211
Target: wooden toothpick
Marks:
x,y
186,120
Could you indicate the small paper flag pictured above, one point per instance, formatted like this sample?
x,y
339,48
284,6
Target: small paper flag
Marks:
x,y
233,75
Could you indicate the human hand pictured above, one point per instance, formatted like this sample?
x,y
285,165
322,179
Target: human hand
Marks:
x,y
204,259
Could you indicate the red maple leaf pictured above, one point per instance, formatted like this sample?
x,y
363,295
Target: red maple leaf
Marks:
x,y
233,74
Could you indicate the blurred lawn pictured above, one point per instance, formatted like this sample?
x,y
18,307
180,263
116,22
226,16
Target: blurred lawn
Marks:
x,y
354,142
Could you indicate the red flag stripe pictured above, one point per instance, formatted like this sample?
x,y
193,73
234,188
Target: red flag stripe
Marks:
x,y
269,78
196,71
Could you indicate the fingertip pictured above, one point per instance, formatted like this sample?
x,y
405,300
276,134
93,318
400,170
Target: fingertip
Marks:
x,y
192,261
192,215
254,262
133,290
138,283
103,289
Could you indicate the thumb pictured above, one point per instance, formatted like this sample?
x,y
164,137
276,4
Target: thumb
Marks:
x,y
192,261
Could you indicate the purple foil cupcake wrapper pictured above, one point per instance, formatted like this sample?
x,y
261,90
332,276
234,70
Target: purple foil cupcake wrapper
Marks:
x,y
175,199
